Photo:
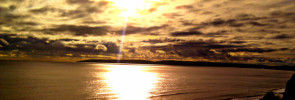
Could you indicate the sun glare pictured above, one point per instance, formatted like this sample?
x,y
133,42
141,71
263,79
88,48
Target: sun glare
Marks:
x,y
130,82
131,7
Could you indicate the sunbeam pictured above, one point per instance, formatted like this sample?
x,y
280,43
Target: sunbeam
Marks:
x,y
129,8
122,40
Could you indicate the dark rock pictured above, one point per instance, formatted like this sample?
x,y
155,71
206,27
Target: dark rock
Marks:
x,y
290,89
270,96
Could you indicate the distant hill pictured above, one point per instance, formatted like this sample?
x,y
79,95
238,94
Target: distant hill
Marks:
x,y
195,64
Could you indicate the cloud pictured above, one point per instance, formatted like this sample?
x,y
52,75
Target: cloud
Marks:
x,y
77,9
155,41
256,24
80,12
186,33
238,42
247,16
143,30
3,42
220,33
184,7
45,47
111,47
79,1
282,14
6,15
43,10
171,15
196,49
79,30
282,36
223,22
215,50
68,39
243,32
101,47
258,50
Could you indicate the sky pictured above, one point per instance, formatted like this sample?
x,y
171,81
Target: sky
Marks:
x,y
234,31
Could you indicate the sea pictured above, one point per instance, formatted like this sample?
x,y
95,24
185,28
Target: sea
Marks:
x,y
29,80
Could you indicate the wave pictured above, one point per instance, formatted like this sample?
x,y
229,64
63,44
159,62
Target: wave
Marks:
x,y
278,92
180,93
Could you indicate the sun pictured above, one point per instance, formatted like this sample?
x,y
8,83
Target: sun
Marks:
x,y
130,4
131,7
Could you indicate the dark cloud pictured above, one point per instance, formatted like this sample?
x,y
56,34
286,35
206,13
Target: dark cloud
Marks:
x,y
258,50
102,48
214,50
218,46
222,22
195,53
68,39
91,21
284,49
79,1
238,21
44,10
45,47
204,49
155,41
245,16
186,33
7,9
40,10
155,34
282,36
24,43
282,14
2,9
221,33
84,9
238,42
26,23
82,48
171,15
207,44
268,31
79,30
111,47
134,30
6,16
184,7
276,60
81,12
12,20
198,49
257,24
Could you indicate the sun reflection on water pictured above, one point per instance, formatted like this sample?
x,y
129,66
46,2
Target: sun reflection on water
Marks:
x,y
130,82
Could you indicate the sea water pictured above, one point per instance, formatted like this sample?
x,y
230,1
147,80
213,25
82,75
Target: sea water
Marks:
x,y
27,80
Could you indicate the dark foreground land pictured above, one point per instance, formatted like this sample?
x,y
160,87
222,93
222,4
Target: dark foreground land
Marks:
x,y
191,63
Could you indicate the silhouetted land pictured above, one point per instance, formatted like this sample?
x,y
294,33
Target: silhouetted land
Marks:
x,y
191,63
